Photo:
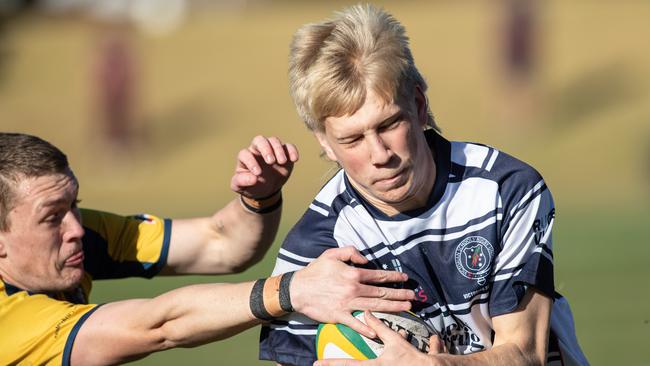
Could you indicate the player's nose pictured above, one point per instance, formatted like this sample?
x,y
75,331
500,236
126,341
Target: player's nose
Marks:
x,y
380,154
73,230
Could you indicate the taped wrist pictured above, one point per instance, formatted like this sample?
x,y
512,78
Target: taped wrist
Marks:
x,y
270,297
285,295
256,302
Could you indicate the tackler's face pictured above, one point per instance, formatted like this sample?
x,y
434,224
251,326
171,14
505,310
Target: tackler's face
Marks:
x,y
42,251
382,149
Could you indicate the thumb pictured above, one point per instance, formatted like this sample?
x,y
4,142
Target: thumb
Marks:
x,y
242,180
346,254
357,258
383,331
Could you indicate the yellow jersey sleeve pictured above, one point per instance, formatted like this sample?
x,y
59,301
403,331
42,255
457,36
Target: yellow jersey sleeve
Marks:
x,y
124,246
37,329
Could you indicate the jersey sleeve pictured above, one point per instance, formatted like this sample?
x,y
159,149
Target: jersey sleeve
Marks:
x,y
124,246
526,257
291,340
39,330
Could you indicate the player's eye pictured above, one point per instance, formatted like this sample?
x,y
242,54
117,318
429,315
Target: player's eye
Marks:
x,y
54,218
392,125
352,141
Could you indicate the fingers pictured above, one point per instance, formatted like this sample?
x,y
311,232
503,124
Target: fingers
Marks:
x,y
263,167
273,151
358,326
247,162
380,276
436,345
279,156
292,151
264,147
382,299
387,306
386,293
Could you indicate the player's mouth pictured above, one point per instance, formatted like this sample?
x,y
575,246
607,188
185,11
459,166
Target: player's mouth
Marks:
x,y
391,181
75,260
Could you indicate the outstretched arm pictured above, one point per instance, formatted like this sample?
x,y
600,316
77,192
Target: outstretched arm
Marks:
x,y
236,237
128,330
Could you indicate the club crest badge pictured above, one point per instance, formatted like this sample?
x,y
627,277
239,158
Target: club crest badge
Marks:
x,y
474,258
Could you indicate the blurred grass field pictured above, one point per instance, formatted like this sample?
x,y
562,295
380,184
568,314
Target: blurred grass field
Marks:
x,y
208,88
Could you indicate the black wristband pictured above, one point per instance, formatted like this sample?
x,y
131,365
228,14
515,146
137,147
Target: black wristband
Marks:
x,y
285,296
256,302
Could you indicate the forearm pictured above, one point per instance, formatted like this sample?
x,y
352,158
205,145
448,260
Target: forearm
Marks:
x,y
521,337
127,330
505,354
189,316
250,234
229,241
198,314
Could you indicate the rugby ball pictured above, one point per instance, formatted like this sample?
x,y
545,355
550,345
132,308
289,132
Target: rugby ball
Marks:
x,y
341,341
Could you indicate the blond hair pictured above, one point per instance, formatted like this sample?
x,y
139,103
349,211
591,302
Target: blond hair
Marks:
x,y
334,63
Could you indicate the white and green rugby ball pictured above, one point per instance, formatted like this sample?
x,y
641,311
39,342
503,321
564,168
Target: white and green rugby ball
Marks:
x,y
341,341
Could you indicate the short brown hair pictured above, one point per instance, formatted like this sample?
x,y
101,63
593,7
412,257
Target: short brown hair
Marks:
x,y
24,156
334,63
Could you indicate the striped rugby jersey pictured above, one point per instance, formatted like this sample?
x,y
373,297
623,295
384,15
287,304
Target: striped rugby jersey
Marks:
x,y
482,239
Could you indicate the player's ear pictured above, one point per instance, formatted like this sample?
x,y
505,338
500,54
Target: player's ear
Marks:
x,y
322,140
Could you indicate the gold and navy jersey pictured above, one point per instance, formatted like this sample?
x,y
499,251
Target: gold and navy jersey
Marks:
x,y
39,328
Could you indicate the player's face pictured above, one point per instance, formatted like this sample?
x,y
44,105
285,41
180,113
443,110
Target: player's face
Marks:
x,y
42,249
383,151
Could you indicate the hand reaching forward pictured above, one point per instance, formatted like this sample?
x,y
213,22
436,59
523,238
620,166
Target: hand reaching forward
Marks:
x,y
397,351
329,290
263,167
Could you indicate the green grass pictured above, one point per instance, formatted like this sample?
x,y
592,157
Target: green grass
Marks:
x,y
601,267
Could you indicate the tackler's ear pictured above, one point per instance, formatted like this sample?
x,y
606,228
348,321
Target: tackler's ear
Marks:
x,y
322,140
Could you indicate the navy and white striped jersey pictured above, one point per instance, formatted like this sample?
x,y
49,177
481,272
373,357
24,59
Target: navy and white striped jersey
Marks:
x,y
482,239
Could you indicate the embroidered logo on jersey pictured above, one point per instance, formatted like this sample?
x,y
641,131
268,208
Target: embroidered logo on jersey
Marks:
x,y
474,258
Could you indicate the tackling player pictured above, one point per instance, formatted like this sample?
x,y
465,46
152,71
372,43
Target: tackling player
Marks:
x,y
51,251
